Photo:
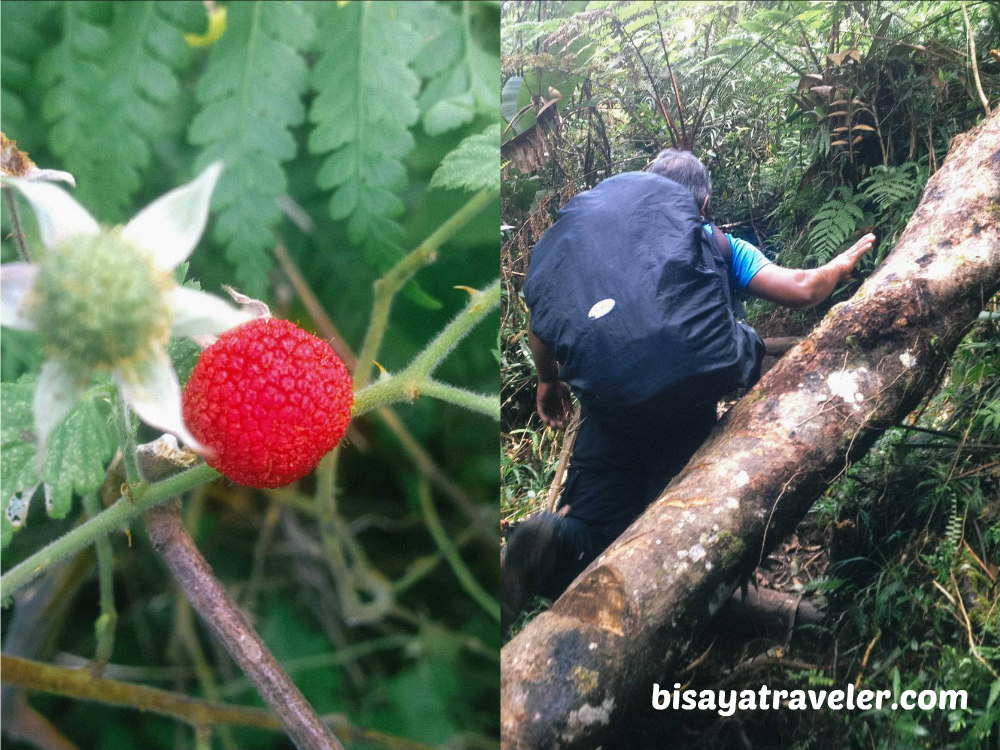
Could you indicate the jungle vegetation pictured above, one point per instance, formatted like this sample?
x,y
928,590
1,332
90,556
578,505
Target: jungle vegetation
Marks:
x,y
820,121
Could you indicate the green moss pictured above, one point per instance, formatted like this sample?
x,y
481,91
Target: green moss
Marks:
x,y
729,547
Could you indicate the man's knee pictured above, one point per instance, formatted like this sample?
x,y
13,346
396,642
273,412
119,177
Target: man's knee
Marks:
x,y
542,556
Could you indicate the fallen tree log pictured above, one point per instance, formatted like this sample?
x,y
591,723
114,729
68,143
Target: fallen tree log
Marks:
x,y
625,622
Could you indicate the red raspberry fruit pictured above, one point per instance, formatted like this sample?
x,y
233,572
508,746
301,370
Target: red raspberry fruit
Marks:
x,y
269,401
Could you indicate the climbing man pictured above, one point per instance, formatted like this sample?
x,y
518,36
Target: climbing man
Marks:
x,y
631,294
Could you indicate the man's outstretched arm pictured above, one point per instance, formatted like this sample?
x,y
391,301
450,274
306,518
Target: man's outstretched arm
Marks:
x,y
553,397
806,287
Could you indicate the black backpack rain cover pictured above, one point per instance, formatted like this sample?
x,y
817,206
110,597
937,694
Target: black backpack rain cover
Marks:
x,y
635,301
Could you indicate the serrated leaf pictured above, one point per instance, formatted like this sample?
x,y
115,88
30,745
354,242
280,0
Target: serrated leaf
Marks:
x,y
75,457
365,105
474,164
250,97
17,448
465,80
112,85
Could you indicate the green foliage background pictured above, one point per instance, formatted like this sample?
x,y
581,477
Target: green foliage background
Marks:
x,y
349,133
819,121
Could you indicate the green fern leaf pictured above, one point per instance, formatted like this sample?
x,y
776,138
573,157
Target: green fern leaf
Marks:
x,y
463,76
833,224
365,105
112,89
250,96
474,164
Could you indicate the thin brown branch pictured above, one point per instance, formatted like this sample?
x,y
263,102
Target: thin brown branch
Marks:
x,y
80,684
217,609
652,83
673,82
972,60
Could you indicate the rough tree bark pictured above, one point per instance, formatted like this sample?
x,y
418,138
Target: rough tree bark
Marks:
x,y
626,620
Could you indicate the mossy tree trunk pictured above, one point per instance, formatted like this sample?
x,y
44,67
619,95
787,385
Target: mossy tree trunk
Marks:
x,y
626,620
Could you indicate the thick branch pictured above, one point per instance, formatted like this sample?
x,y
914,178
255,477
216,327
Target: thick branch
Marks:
x,y
626,620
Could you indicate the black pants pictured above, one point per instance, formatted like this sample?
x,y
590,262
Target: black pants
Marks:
x,y
617,469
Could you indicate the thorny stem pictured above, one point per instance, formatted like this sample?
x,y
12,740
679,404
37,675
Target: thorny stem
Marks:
x,y
401,388
126,425
415,380
141,498
104,628
77,683
217,609
387,286
15,222
450,552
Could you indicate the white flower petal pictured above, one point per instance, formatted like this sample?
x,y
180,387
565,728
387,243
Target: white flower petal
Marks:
x,y
157,399
16,280
56,392
199,313
52,175
59,215
170,227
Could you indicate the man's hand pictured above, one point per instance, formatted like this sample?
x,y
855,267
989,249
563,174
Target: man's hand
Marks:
x,y
845,262
805,287
554,404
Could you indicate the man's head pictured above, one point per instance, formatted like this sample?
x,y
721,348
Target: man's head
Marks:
x,y
684,168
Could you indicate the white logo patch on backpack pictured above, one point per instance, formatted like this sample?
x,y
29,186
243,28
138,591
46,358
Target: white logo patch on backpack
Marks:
x,y
600,309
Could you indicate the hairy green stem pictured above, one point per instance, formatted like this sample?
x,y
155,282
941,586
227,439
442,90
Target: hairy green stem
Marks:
x,y
127,429
387,286
401,388
104,628
450,552
141,498
479,304
15,223
415,380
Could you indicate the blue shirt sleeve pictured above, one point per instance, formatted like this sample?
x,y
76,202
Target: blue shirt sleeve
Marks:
x,y
747,260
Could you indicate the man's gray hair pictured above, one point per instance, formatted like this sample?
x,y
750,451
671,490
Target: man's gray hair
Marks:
x,y
684,168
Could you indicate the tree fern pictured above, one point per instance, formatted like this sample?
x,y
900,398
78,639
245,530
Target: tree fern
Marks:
x,y
834,223
365,105
463,76
111,89
250,95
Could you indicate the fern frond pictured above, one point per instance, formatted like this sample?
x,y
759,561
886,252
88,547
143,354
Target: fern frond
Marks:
x,y
892,187
474,164
250,96
113,90
833,224
365,105
462,74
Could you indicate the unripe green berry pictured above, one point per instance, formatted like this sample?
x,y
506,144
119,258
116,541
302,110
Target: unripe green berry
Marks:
x,y
101,303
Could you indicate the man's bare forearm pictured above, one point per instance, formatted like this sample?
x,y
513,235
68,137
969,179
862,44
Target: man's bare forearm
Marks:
x,y
806,287
545,362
